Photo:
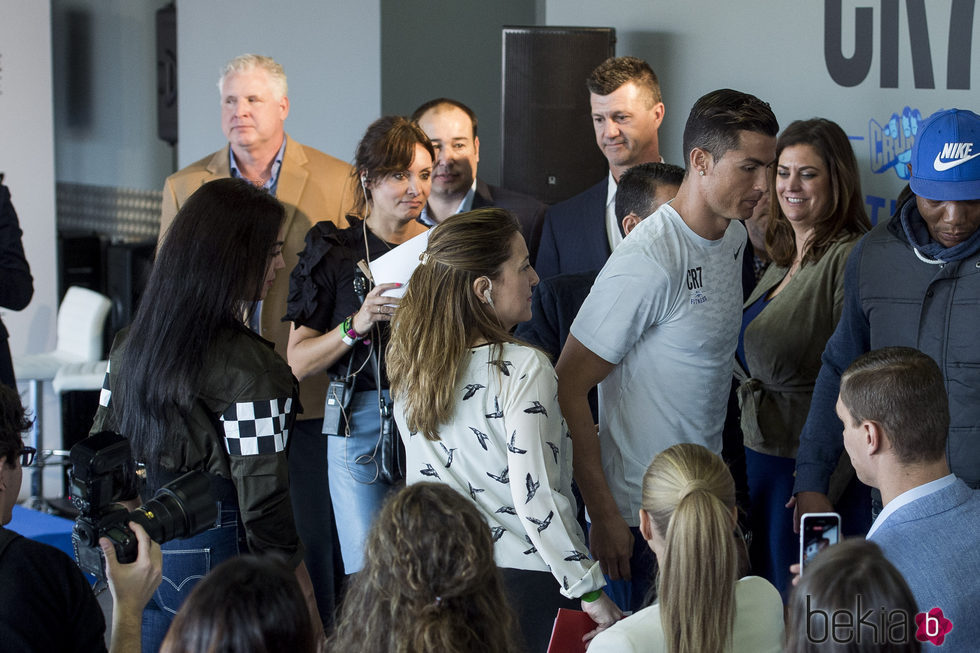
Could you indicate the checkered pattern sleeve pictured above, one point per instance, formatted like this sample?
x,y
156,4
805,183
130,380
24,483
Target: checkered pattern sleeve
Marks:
x,y
255,429
103,414
106,392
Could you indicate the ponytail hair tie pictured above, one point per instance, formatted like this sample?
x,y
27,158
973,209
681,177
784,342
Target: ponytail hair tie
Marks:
x,y
694,485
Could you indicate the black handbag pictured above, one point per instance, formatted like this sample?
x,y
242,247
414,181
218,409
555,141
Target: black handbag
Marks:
x,y
391,450
389,454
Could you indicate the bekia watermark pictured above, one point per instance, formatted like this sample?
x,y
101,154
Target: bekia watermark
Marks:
x,y
874,624
933,626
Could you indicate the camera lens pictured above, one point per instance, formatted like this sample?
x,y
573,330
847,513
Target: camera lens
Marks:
x,y
179,509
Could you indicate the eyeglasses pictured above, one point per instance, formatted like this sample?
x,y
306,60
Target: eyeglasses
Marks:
x,y
27,456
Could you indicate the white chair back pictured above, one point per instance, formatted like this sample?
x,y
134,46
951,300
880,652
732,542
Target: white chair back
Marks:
x,y
81,319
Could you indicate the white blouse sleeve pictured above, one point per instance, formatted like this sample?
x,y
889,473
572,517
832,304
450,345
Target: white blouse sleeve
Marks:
x,y
536,445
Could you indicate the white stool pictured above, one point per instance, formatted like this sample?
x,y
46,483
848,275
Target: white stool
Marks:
x,y
81,320
85,375
71,377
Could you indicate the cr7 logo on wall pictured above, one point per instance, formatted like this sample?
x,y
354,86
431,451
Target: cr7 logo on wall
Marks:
x,y
851,71
891,142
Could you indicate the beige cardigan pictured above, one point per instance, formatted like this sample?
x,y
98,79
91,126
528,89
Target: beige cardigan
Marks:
x,y
313,186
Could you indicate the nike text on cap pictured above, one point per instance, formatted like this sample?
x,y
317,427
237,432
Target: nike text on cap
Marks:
x,y
946,157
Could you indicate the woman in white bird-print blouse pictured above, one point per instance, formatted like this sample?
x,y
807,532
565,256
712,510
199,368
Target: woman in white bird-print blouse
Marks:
x,y
478,411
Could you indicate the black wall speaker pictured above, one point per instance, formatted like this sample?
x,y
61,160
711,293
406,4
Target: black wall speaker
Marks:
x,y
78,67
548,144
166,19
127,269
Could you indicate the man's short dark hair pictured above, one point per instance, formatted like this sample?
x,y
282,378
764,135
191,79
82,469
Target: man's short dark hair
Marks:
x,y
616,71
13,422
439,101
638,186
717,118
902,390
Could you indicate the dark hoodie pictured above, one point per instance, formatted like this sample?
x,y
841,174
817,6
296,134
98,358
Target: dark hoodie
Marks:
x,y
903,288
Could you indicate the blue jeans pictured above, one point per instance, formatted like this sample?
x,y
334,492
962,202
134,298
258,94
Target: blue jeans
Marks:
x,y
355,489
774,544
185,562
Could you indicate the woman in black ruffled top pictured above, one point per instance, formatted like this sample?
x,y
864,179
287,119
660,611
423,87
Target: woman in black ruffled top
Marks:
x,y
335,331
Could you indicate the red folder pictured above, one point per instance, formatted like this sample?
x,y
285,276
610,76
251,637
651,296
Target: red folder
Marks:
x,y
570,627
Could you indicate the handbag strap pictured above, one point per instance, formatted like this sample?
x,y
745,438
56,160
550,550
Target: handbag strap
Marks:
x,y
350,363
384,407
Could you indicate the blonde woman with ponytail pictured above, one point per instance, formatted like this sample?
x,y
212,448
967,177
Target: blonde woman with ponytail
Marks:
x,y
688,519
478,411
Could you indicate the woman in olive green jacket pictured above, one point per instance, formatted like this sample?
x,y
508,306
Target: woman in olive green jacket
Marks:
x,y
816,218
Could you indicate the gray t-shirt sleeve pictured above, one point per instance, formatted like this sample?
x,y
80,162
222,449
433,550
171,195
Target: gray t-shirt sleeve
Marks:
x,y
628,297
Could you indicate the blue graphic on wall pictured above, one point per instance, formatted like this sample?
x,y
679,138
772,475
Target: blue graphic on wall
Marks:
x,y
891,143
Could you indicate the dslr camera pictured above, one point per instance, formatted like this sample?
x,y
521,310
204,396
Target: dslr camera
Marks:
x,y
100,474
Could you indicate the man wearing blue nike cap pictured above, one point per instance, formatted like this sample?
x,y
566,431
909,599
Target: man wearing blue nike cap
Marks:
x,y
912,281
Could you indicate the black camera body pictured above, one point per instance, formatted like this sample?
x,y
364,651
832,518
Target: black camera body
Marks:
x,y
98,478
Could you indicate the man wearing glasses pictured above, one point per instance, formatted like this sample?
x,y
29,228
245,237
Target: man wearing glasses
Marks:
x,y
46,604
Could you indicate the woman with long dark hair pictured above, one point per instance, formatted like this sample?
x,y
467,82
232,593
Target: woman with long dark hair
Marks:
x,y
429,582
816,218
688,519
478,411
338,332
194,389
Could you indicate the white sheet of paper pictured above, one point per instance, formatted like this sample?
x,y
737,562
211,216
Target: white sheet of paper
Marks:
x,y
397,265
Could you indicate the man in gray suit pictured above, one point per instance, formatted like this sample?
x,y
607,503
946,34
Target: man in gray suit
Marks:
x,y
895,411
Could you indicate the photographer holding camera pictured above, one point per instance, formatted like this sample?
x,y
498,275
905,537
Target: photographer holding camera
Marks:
x,y
194,389
46,603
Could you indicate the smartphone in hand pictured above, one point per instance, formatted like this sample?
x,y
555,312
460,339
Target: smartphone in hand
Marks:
x,y
818,530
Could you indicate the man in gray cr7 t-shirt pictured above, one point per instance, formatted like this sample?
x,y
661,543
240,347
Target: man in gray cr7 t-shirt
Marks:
x,y
659,329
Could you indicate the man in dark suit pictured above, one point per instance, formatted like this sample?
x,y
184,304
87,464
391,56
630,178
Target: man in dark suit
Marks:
x,y
452,126
556,300
16,282
579,234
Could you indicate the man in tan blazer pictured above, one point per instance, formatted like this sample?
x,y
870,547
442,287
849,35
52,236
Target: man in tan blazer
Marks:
x,y
312,186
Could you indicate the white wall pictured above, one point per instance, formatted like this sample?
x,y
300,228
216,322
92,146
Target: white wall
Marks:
x,y
775,50
330,50
27,158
